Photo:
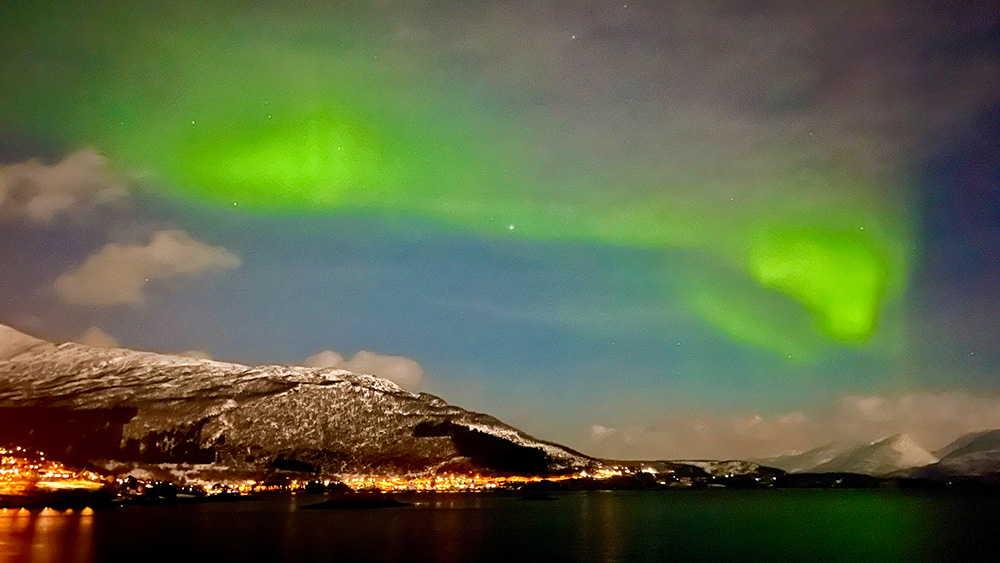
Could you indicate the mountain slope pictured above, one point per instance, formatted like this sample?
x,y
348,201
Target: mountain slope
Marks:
x,y
85,403
808,460
972,455
975,443
879,458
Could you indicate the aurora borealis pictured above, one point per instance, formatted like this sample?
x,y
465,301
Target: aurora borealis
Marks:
x,y
574,215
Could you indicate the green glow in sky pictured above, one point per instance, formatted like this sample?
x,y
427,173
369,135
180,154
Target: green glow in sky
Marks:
x,y
838,276
318,158
337,118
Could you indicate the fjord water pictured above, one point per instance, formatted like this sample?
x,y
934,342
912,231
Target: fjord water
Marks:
x,y
718,526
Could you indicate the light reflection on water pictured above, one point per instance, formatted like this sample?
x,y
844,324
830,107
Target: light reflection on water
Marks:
x,y
44,536
813,526
600,537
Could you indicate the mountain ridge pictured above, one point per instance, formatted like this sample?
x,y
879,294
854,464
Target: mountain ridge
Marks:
x,y
880,458
809,459
129,408
972,455
177,409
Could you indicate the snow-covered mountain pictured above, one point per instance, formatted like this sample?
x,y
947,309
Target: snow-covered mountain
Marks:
x,y
87,403
972,455
880,458
810,459
987,442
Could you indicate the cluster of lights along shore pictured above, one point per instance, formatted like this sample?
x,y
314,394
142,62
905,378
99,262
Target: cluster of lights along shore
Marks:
x,y
24,471
448,483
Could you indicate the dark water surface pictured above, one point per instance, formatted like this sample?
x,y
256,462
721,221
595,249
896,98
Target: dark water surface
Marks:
x,y
808,526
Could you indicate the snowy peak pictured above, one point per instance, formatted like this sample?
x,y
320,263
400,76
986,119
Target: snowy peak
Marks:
x,y
13,342
910,453
880,458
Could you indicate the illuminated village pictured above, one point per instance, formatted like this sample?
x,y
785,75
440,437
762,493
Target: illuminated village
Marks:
x,y
463,483
24,471
444,483
26,474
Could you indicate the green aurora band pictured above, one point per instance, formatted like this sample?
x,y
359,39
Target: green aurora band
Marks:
x,y
266,113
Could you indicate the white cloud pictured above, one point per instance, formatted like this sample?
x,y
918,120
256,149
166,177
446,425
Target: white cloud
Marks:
x,y
324,359
598,432
933,420
196,354
401,370
94,336
118,274
41,192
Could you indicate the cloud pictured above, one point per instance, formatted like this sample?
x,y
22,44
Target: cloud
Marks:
x,y
401,370
119,274
196,354
94,336
41,192
933,420
598,432
324,359
704,436
740,78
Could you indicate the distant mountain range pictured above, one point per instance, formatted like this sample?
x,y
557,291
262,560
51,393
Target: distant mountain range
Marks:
x,y
808,460
84,404
974,455
880,458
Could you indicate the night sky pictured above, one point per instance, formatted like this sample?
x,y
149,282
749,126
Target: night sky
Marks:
x,y
642,229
